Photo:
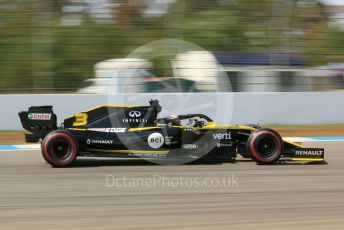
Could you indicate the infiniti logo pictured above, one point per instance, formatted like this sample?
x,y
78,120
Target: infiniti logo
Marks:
x,y
134,113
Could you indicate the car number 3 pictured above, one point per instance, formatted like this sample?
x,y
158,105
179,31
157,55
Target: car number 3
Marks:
x,y
80,119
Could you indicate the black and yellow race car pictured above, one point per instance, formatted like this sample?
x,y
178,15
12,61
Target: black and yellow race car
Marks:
x,y
136,131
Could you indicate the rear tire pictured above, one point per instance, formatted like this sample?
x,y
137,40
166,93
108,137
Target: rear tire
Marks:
x,y
265,146
60,148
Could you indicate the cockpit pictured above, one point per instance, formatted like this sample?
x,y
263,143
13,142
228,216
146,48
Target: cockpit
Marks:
x,y
189,120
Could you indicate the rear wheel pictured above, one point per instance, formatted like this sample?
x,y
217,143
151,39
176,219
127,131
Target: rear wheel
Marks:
x,y
60,148
265,146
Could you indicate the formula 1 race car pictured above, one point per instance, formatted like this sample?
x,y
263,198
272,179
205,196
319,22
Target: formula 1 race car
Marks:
x,y
136,131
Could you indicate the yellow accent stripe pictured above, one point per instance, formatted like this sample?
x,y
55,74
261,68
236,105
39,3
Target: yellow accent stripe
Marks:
x,y
306,159
205,127
131,151
78,129
143,128
228,127
295,144
212,126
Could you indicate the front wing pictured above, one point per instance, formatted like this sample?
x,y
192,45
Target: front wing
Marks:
x,y
304,154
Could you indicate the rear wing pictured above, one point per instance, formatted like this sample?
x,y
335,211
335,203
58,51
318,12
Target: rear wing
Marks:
x,y
39,121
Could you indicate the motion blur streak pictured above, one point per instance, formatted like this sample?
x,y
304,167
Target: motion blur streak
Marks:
x,y
268,197
270,45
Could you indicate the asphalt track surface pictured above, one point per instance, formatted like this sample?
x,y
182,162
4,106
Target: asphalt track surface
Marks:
x,y
290,196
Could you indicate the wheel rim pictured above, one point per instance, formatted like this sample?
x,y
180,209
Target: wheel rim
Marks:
x,y
60,149
266,146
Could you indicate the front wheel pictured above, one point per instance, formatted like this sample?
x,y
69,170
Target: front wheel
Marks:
x,y
60,148
265,146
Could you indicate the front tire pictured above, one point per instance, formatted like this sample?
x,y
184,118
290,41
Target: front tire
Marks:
x,y
60,148
265,146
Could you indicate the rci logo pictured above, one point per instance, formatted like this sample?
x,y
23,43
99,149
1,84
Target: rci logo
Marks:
x,y
134,113
155,140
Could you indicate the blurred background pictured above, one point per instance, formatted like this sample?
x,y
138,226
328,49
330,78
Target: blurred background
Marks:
x,y
77,46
